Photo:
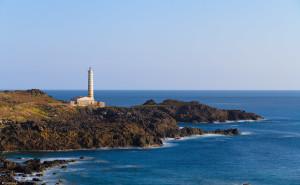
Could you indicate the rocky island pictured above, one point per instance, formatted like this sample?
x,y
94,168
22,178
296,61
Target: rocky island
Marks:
x,y
32,120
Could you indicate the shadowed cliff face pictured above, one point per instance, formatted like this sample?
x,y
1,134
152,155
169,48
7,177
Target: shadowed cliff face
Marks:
x,y
90,128
62,127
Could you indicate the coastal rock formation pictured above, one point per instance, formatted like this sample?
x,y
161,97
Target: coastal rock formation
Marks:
x,y
31,120
194,112
187,131
9,169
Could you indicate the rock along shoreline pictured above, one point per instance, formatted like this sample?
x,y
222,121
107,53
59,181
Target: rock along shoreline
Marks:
x,y
31,172
33,169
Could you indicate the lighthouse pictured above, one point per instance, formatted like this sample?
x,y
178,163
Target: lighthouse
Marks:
x,y
91,83
90,99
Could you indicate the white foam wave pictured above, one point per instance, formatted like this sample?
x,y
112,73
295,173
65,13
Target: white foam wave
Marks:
x,y
288,136
167,145
239,121
291,135
20,160
127,166
57,158
21,178
101,161
171,140
201,136
246,133
127,148
50,177
26,177
74,169
87,158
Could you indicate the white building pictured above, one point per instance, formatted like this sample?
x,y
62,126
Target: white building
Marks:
x,y
88,100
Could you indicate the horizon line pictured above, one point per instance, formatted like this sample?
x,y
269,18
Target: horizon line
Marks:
x,y
157,89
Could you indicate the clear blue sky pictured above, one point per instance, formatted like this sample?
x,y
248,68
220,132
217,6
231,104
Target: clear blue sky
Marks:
x,y
150,44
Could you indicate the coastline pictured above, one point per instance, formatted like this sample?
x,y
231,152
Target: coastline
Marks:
x,y
55,126
130,147
49,175
104,148
227,121
154,146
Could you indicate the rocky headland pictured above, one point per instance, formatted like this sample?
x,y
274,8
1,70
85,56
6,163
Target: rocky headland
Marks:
x,y
32,120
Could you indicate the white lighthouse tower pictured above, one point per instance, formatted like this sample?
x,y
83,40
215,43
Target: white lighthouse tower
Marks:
x,y
91,83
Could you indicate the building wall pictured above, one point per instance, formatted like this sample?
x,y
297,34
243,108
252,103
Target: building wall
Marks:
x,y
86,101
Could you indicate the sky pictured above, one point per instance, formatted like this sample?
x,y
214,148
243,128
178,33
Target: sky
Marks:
x,y
150,44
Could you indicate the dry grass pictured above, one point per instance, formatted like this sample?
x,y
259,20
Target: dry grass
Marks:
x,y
22,106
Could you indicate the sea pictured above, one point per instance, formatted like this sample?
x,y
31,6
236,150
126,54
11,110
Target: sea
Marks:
x,y
266,153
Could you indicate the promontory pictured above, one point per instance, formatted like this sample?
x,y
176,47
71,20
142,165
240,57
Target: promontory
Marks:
x,y
32,120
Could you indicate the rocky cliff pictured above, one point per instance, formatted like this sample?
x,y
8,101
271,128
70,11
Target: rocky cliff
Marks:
x,y
31,120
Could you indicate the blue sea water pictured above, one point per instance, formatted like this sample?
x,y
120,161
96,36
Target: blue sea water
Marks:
x,y
267,152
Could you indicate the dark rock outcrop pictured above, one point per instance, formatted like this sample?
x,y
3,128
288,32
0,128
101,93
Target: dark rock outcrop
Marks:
x,y
36,92
188,131
90,128
150,102
194,112
8,169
